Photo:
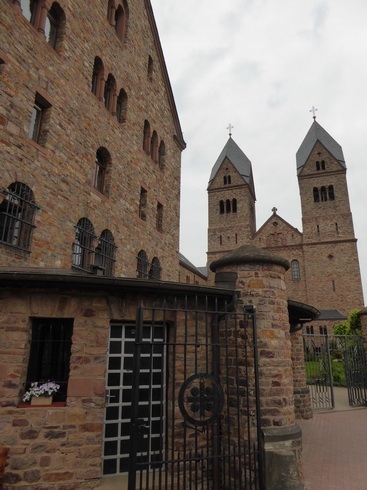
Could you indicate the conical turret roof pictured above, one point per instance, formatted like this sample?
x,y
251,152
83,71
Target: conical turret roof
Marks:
x,y
318,133
238,159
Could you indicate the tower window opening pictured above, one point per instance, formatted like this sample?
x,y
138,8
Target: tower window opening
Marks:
x,y
322,164
220,240
316,195
225,180
336,227
317,165
221,207
333,285
229,179
323,193
228,206
331,193
318,229
234,205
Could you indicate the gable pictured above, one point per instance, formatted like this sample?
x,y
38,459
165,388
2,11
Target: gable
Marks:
x,y
226,169
315,134
276,232
320,161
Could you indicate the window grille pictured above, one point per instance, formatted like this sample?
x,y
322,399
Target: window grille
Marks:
x,y
17,212
155,269
83,249
142,265
105,253
49,358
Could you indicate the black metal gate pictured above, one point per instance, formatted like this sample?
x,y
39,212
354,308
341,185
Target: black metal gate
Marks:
x,y
335,360
191,404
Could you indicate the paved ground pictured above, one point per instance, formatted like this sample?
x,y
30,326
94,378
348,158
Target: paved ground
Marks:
x,y
335,447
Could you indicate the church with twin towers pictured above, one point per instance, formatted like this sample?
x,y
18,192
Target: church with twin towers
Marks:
x,y
324,267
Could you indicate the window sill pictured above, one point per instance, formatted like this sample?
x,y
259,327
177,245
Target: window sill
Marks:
x,y
33,143
53,405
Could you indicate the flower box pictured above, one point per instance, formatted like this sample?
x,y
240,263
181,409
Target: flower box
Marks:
x,y
41,400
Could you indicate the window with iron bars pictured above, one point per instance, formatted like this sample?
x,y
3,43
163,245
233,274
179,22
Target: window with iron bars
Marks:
x,y
142,265
105,253
155,269
84,245
17,211
49,357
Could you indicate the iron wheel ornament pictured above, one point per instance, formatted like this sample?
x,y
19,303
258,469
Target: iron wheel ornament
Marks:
x,y
201,399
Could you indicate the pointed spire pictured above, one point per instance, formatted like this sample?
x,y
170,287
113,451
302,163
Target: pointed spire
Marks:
x,y
238,159
318,133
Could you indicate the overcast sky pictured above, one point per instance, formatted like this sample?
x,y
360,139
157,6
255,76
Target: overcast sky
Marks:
x,y
261,65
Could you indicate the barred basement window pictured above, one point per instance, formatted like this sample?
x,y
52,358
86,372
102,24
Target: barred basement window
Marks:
x,y
49,358
83,247
155,269
105,253
17,211
142,265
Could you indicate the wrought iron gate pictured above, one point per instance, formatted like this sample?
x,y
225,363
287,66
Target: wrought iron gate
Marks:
x,y
335,359
188,409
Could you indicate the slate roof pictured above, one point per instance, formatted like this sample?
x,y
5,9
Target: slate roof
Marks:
x,y
240,161
184,261
331,315
318,133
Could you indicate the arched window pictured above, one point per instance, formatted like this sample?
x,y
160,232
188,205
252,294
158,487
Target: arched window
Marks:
x,y
316,196
228,206
142,265
322,164
97,86
323,193
317,165
150,68
331,193
146,140
234,205
155,269
55,26
229,179
162,155
154,147
17,211
225,180
105,253
102,161
159,217
295,269
121,106
221,207
29,9
117,16
84,244
110,94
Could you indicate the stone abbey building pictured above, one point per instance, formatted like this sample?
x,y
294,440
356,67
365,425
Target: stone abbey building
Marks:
x,y
158,382
324,262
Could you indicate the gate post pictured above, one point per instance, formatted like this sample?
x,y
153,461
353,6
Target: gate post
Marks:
x,y
302,398
260,281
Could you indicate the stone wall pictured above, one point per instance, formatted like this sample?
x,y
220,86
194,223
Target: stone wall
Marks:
x,y
302,400
58,445
60,170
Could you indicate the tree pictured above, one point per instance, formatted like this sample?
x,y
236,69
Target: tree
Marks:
x,y
351,326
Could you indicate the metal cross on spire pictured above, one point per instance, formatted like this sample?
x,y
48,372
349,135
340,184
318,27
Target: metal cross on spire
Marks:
x,y
230,127
313,110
